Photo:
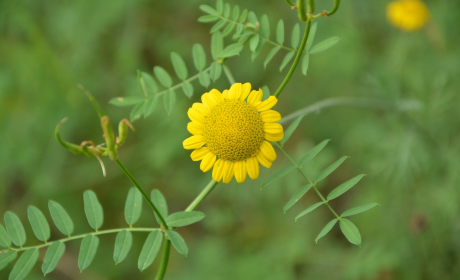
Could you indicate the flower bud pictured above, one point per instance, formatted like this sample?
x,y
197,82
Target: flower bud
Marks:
x,y
123,131
109,137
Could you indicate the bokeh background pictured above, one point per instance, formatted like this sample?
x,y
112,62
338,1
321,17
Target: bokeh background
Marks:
x,y
409,146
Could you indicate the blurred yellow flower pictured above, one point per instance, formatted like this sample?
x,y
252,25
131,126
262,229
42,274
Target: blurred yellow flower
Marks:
x,y
231,131
408,15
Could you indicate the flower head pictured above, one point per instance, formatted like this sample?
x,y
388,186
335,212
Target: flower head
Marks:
x,y
231,131
408,15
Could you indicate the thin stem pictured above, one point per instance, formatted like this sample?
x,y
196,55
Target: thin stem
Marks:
x,y
297,59
204,193
108,231
164,260
308,179
147,198
335,8
227,72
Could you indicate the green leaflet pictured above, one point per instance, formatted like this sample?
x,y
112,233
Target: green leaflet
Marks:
x,y
253,42
350,231
305,63
313,152
359,209
344,187
308,210
169,100
280,32
88,249
327,228
330,169
295,38
188,89
265,27
6,258
271,54
208,9
53,256
60,218
236,12
216,71
231,50
199,57
217,45
93,210
24,264
283,172
311,36
181,219
286,60
298,195
291,130
5,240
160,203
123,244
15,228
163,77
324,45
151,104
133,206
150,250
178,242
179,66
204,79
218,25
126,101
39,223
137,112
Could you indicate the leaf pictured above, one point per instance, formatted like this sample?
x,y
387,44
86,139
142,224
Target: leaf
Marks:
x,y
218,26
150,105
188,89
219,6
199,57
308,210
295,38
236,12
24,264
217,45
265,27
313,152
359,209
305,62
93,210
344,187
298,195
123,244
150,250
326,229
227,10
324,45
243,16
126,101
149,83
204,79
228,29
311,35
258,49
271,54
208,9
239,29
5,240
170,100
60,218
291,130
278,175
137,112
163,77
350,231
15,229
208,18
252,18
178,242
88,249
286,60
53,256
231,50
280,32
39,223
133,206
160,203
253,42
181,219
179,66
266,93
6,258
216,71
330,169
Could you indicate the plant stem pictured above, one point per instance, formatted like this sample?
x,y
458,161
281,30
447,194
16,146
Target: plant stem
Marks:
x,y
164,260
101,232
308,179
297,58
204,193
228,73
335,8
147,198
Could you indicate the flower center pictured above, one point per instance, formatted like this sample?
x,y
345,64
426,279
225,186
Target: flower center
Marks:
x,y
233,130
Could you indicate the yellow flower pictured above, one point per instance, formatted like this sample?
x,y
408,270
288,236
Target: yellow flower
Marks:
x,y
408,15
231,132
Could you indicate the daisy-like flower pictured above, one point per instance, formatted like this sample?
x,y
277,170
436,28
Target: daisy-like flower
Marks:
x,y
408,15
231,132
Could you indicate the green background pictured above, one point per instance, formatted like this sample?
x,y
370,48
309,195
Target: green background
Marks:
x,y
408,144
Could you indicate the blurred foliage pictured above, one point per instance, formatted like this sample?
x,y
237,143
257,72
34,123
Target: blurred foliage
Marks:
x,y
411,156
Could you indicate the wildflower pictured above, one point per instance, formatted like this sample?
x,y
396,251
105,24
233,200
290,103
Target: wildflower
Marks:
x,y
408,15
231,132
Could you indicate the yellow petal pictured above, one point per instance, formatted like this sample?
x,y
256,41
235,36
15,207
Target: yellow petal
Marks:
x,y
208,162
225,94
194,142
228,171
218,170
235,91
201,108
265,162
273,128
216,96
268,151
267,104
274,137
253,168
246,88
255,97
199,154
195,115
195,128
206,100
270,116
240,171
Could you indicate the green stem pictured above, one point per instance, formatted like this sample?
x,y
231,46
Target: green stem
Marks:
x,y
147,198
335,8
297,59
227,72
308,179
164,260
204,193
108,231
